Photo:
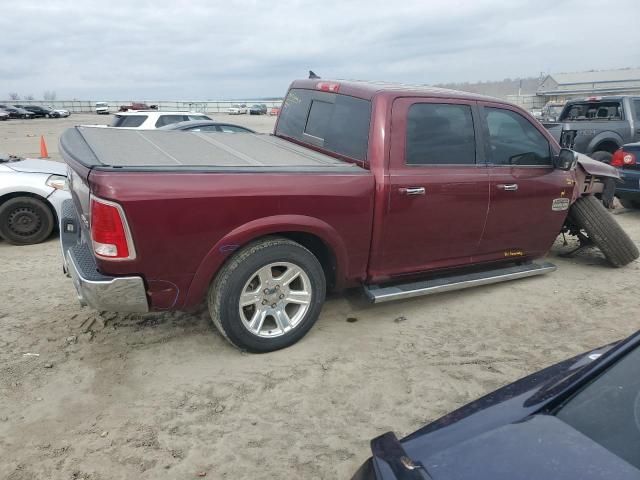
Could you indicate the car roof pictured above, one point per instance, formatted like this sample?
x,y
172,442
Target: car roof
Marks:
x,y
152,113
199,123
368,89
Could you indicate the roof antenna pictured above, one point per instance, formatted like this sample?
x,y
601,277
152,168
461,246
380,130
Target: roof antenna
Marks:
x,y
313,76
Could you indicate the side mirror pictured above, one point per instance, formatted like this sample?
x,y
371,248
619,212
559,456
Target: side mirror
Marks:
x,y
565,160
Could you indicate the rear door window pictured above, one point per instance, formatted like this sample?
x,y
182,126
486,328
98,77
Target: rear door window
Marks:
x,y
440,134
513,140
334,122
169,119
128,120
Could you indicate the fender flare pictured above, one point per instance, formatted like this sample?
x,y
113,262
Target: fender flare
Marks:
x,y
607,136
242,235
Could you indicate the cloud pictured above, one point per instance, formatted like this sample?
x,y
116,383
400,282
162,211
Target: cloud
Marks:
x,y
206,50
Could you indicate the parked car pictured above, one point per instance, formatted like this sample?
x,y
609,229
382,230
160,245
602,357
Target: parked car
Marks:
x,y
62,112
260,109
4,115
274,111
598,126
237,109
39,111
259,226
31,196
206,126
577,419
17,112
137,106
102,108
625,160
551,111
153,119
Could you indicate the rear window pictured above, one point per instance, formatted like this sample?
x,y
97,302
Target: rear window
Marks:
x,y
337,123
169,119
593,111
128,120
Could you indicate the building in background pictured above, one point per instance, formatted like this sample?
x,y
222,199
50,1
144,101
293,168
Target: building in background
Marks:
x,y
560,87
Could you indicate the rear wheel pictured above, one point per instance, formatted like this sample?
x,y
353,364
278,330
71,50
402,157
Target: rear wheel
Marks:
x,y
268,295
588,214
25,220
602,156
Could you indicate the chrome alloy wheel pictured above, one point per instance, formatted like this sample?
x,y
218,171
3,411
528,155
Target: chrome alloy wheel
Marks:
x,y
275,299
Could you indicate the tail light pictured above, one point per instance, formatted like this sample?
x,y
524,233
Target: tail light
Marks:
x,y
109,231
623,159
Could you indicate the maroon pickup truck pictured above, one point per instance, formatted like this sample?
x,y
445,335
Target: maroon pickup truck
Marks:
x,y
400,190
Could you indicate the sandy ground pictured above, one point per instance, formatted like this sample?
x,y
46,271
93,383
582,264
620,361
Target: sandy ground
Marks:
x,y
90,396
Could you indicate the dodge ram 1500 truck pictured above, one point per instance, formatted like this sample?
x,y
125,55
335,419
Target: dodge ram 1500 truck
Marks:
x,y
401,190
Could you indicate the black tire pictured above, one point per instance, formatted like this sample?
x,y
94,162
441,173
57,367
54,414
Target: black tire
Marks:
x,y
628,203
590,215
224,293
25,221
602,156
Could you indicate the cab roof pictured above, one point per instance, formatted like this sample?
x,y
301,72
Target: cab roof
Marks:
x,y
368,89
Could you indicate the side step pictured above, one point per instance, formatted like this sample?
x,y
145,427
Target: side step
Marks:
x,y
379,294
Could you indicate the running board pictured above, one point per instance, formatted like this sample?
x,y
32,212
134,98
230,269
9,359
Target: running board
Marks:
x,y
379,294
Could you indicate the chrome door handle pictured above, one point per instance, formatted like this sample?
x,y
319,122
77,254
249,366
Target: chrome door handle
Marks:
x,y
509,187
412,190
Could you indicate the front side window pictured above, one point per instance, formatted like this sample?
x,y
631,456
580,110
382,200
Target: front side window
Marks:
x,y
513,140
440,134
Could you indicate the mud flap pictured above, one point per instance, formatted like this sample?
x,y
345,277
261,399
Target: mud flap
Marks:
x,y
608,192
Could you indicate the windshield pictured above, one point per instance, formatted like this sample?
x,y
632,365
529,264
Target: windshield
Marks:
x,y
608,409
596,110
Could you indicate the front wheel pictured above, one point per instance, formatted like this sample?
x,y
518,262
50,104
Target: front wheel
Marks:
x,y
588,214
268,295
25,221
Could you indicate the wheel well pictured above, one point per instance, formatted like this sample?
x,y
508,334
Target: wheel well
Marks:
x,y
607,146
321,250
11,195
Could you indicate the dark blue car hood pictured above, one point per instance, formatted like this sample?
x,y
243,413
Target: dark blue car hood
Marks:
x,y
554,450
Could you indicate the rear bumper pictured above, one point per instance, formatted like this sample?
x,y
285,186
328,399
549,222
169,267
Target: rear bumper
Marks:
x,y
101,292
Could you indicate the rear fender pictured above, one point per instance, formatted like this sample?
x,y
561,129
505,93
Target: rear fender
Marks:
x,y
248,232
608,136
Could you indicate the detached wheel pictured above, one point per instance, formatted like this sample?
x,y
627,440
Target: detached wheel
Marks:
x,y
605,232
602,156
268,295
25,221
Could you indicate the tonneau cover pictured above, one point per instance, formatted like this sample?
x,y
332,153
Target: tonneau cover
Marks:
x,y
166,149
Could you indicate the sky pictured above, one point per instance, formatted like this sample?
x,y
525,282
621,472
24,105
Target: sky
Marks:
x,y
211,49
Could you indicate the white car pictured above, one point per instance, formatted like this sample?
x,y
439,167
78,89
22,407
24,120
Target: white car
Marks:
x,y
31,196
60,111
238,109
102,108
150,119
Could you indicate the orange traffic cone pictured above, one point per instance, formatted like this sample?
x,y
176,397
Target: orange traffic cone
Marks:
x,y
43,148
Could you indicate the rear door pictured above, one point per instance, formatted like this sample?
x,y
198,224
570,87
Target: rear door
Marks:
x,y
529,198
438,188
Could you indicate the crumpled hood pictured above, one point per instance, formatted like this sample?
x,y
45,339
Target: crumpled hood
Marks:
x,y
594,167
32,165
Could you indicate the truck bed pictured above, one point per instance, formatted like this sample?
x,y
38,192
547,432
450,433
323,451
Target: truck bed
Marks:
x,y
112,148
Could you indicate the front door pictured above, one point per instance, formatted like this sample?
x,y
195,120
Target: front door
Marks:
x,y
529,197
437,189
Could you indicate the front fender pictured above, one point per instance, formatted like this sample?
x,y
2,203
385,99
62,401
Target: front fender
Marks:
x,y
607,136
595,168
253,230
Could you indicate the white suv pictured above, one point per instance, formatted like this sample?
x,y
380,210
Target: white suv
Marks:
x,y
150,119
